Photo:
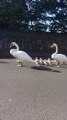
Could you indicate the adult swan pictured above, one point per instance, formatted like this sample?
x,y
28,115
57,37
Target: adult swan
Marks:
x,y
60,58
22,56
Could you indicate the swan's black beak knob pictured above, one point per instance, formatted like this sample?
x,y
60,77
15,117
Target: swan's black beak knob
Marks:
x,y
51,46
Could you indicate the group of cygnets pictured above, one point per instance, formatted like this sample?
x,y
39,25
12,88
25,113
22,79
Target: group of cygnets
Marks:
x,y
46,62
22,56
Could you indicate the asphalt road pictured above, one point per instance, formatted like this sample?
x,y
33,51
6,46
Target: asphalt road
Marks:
x,y
32,93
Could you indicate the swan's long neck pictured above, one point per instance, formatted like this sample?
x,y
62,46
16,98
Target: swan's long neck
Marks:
x,y
56,48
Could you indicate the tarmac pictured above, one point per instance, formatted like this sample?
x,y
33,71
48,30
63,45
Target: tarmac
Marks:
x,y
31,92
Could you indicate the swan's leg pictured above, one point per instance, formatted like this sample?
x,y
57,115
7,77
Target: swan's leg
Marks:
x,y
20,64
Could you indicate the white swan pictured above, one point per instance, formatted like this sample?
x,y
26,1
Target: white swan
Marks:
x,y
22,56
60,58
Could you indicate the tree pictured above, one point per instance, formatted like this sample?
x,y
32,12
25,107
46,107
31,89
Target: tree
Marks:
x,y
13,13
35,15
48,15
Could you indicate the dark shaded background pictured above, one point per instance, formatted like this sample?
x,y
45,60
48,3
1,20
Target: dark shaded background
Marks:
x,y
34,43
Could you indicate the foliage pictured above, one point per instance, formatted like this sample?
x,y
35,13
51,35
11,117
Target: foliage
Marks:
x,y
49,15
35,15
13,13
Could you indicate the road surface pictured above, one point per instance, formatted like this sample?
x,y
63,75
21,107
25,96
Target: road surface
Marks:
x,y
32,93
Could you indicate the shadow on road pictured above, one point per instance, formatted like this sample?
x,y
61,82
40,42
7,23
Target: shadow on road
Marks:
x,y
4,62
45,68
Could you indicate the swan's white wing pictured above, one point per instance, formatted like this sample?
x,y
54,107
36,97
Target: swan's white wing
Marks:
x,y
60,57
23,56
